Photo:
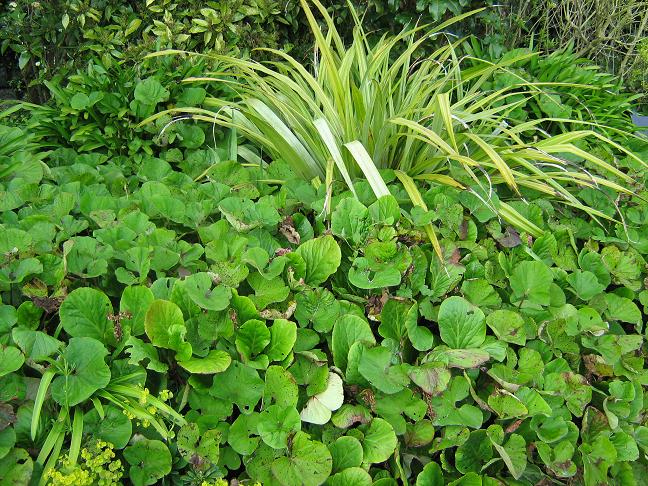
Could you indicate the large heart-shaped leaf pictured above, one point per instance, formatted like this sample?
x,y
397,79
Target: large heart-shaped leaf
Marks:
x,y
84,313
84,371
150,461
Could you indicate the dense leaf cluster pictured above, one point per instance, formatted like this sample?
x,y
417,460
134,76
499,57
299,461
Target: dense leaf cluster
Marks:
x,y
286,342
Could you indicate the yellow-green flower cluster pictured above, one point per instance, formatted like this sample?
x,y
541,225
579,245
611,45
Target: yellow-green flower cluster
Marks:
x,y
218,482
97,467
68,475
165,395
144,396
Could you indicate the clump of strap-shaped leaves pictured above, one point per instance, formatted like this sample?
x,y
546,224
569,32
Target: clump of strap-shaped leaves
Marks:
x,y
373,106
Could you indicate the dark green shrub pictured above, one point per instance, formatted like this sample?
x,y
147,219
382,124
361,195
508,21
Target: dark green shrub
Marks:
x,y
52,37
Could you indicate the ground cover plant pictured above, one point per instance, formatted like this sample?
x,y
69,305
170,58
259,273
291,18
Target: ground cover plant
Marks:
x,y
182,304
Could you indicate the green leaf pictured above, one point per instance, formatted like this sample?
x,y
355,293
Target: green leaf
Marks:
x,y
318,307
215,362
136,301
252,338
140,351
165,327
433,378
585,284
242,433
460,358
35,344
7,441
283,335
16,468
419,434
558,457
474,453
113,427
276,424
322,257
199,288
379,442
622,309
239,384
11,359
84,313
598,456
393,320
350,221
533,401
365,275
508,326
280,387
353,475
150,461
506,405
85,371
530,282
348,330
431,475
385,210
349,415
346,452
514,454
150,92
79,101
199,447
572,387
461,324
309,462
376,367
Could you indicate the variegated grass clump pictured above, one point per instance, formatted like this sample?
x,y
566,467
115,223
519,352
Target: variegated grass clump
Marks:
x,y
366,107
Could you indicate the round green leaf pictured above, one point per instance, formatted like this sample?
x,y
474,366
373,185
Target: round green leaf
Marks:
x,y
375,365
114,427
432,378
474,453
239,384
530,282
355,476
309,462
199,288
280,387
194,445
276,424
85,371
346,452
242,434
84,313
11,359
322,256
7,441
431,475
150,461
35,344
16,468
508,326
461,324
379,441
